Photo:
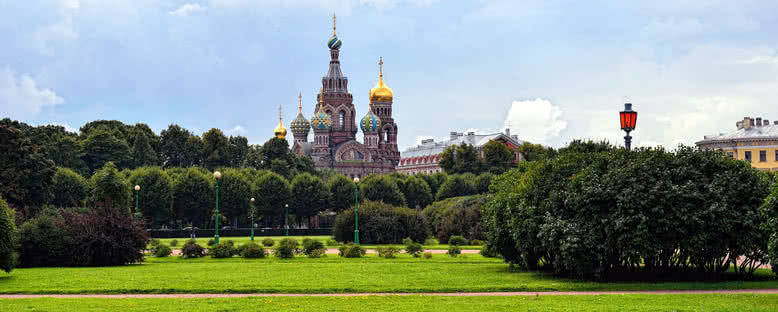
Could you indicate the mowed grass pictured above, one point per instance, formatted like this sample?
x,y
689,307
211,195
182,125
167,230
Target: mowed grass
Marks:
x,y
738,302
332,274
203,241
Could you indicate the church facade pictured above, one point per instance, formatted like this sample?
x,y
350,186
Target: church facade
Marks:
x,y
335,126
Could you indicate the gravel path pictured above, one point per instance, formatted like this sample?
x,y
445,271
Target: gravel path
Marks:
x,y
473,294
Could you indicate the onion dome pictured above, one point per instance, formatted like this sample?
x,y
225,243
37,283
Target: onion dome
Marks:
x,y
280,131
300,126
334,42
370,123
321,120
381,92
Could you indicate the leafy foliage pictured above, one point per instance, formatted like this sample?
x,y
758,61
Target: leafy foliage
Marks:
x,y
43,242
7,238
460,158
498,157
455,186
417,192
192,250
381,188
155,194
286,248
459,216
69,189
453,251
381,223
351,251
25,173
193,193
268,242
162,251
309,195
110,190
341,190
222,250
414,249
272,192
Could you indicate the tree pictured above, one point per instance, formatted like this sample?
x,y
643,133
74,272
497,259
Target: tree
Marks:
x,y
109,190
254,157
66,152
216,150
534,152
341,190
142,153
115,127
482,182
381,188
102,146
239,147
193,196
460,159
69,189
455,186
309,195
234,195
417,192
498,157
155,194
25,173
588,146
7,237
179,148
432,182
272,193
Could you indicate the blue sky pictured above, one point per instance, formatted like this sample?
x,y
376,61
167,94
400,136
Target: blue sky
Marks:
x,y
552,71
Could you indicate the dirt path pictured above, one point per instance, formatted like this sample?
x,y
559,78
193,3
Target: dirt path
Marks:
x,y
473,294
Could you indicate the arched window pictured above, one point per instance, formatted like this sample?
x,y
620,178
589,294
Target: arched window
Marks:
x,y
386,135
342,119
338,83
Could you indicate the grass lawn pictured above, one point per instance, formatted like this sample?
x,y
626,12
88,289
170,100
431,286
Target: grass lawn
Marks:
x,y
325,275
411,303
203,241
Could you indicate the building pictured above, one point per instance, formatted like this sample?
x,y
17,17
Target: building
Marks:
x,y
755,141
334,125
425,158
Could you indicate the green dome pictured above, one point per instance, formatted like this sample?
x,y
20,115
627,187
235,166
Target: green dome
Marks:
x,y
321,121
334,42
370,123
300,126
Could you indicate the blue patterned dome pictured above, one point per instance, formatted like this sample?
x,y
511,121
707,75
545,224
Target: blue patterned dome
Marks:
x,y
334,42
321,121
370,123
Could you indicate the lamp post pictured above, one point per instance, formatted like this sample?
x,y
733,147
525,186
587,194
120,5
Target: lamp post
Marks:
x,y
137,212
286,219
217,175
252,218
628,119
356,210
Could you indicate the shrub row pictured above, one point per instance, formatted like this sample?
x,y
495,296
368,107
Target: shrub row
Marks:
x,y
381,223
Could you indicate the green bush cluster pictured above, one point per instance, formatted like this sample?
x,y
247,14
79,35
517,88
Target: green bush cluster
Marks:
x,y
459,216
252,250
601,212
457,240
161,251
414,249
268,242
453,251
286,248
222,250
387,252
174,243
313,248
381,223
351,251
192,250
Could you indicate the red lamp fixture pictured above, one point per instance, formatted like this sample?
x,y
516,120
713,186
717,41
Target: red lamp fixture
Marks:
x,y
628,121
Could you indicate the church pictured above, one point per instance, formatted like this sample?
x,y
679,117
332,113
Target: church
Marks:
x,y
334,125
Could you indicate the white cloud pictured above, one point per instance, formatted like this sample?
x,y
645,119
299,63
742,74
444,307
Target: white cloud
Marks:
x,y
187,9
762,59
67,127
537,121
239,130
20,97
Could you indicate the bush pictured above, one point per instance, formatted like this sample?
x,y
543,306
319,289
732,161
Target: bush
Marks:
x,y
407,241
488,252
162,251
286,249
312,246
103,237
211,242
381,188
221,250
456,216
387,252
43,242
457,240
192,250
332,242
154,243
455,186
351,251
174,243
414,249
427,255
318,253
431,242
252,250
268,242
381,223
477,242
7,237
453,251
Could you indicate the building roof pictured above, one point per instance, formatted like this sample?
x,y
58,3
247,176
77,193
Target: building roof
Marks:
x,y
429,147
751,133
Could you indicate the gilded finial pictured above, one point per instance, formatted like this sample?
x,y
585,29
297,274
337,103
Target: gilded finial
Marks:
x,y
334,19
381,67
300,103
279,112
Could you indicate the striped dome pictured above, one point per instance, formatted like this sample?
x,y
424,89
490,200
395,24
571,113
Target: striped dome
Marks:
x,y
300,126
334,42
370,123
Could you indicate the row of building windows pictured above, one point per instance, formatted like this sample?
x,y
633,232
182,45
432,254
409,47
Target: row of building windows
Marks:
x,y
762,156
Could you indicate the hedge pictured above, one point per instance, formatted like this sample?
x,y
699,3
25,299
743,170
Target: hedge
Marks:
x,y
381,223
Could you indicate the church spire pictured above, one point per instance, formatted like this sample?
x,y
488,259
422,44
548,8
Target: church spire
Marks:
x,y
300,103
280,131
334,28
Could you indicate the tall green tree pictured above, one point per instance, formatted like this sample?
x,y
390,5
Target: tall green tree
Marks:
x,y
309,195
7,238
234,195
272,192
69,189
193,197
155,194
102,146
239,148
109,190
142,152
460,158
216,149
254,157
417,192
25,173
341,190
179,148
535,152
381,188
498,157
455,186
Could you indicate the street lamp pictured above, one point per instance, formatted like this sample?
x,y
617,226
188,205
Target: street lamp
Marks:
x,y
286,218
217,175
356,210
137,212
628,119
252,218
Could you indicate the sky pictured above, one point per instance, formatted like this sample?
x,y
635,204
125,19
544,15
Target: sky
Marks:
x,y
551,71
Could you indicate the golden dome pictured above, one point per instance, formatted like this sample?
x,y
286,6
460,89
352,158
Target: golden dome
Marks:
x,y
280,131
381,92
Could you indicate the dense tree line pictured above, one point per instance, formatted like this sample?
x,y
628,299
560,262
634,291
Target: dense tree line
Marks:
x,y
463,158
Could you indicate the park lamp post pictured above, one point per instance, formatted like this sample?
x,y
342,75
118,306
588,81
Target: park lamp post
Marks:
x,y
137,212
217,175
286,219
356,210
628,120
252,218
